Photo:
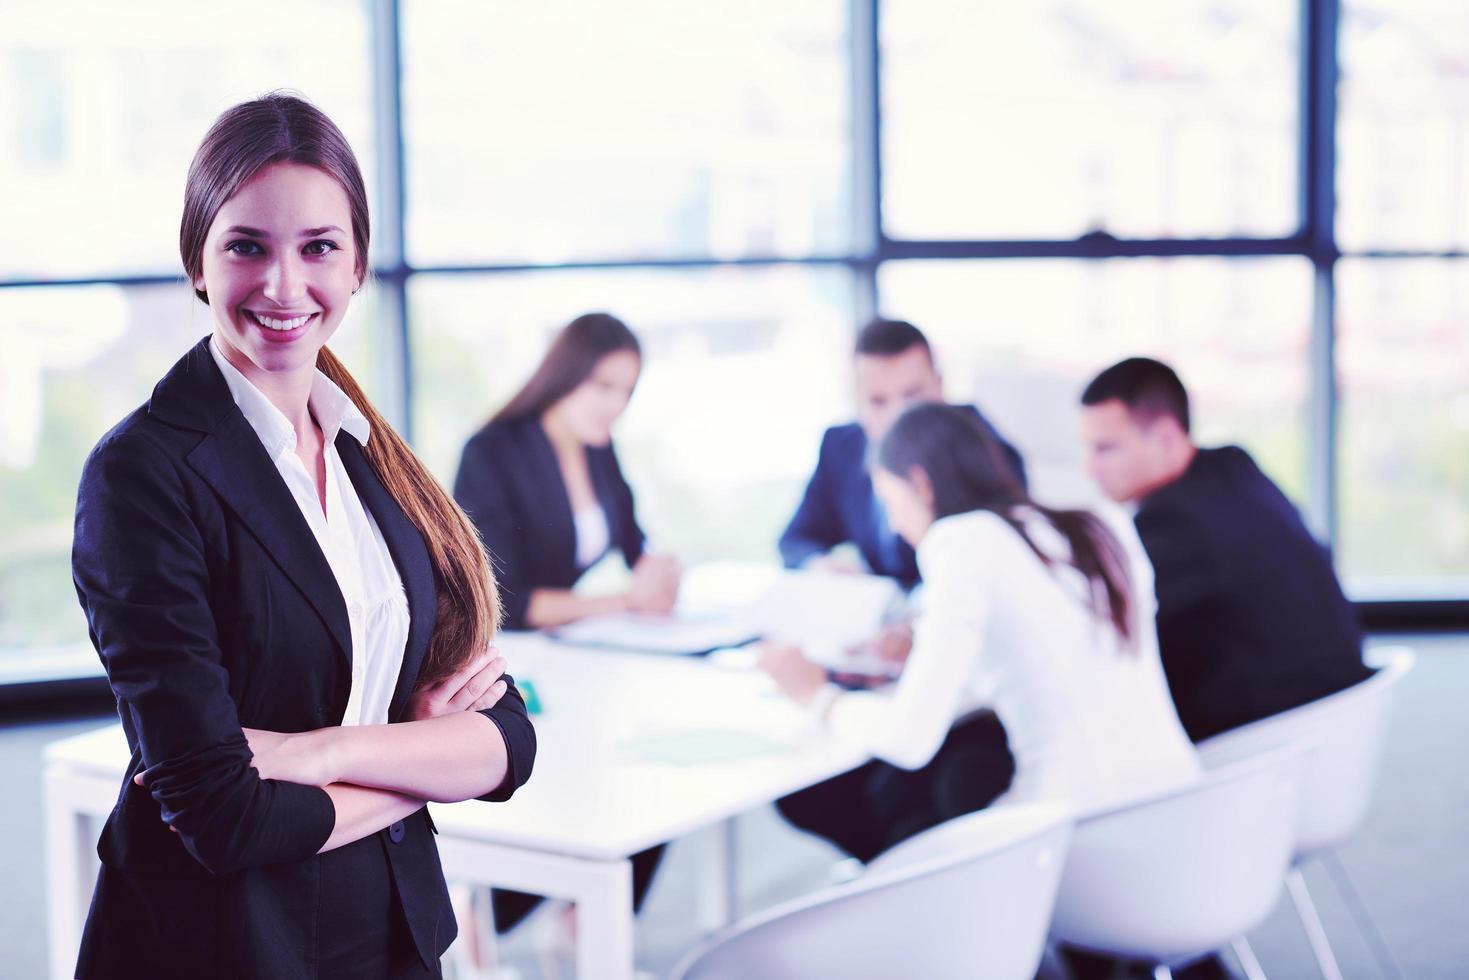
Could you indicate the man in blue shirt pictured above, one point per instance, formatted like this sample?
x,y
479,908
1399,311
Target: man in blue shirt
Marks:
x,y
894,369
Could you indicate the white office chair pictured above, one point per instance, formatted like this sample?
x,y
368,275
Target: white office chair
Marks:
x,y
1344,733
1178,875
972,897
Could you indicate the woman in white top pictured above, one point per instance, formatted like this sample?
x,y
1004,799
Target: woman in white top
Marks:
x,y
1043,615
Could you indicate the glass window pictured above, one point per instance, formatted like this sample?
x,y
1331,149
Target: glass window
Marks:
x,y
1403,130
1052,119
743,368
549,132
102,162
1023,337
77,360
1404,466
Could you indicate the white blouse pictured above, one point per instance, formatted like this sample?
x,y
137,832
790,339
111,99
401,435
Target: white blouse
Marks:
x,y
1090,720
349,538
593,536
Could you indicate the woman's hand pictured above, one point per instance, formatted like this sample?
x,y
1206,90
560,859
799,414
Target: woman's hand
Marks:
x,y
798,678
655,581
473,687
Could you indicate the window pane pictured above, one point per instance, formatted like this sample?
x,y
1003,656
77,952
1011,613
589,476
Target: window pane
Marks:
x,y
555,131
1402,351
102,163
1051,119
77,360
743,367
1403,128
1023,337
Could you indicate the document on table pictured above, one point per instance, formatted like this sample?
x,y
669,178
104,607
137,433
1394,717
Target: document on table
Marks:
x,y
827,614
680,633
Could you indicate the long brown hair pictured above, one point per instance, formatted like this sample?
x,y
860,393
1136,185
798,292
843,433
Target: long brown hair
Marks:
x,y
282,128
570,360
968,470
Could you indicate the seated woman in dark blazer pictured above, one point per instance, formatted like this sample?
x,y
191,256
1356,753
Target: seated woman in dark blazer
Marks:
x,y
542,484
294,617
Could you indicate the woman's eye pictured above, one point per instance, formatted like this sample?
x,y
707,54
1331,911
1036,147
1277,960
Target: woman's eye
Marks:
x,y
243,248
321,247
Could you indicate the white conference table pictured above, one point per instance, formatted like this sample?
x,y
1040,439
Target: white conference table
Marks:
x,y
634,750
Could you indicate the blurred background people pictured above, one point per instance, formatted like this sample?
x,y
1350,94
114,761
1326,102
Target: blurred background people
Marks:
x,y
1251,617
1043,615
542,483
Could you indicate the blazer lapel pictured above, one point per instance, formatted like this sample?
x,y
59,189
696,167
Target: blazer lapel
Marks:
x,y
232,461
558,535
411,557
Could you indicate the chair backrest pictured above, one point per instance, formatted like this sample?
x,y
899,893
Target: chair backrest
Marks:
x,y
1183,872
978,905
1345,732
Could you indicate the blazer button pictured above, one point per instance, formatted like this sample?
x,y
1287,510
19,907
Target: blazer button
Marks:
x,y
395,832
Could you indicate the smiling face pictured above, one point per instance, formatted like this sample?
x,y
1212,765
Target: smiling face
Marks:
x,y
280,268
589,410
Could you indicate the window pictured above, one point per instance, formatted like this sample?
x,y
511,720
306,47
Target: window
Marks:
x,y
102,161
557,131
1049,120
1403,348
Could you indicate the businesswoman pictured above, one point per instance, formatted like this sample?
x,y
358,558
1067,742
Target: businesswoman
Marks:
x,y
1046,616
542,484
294,618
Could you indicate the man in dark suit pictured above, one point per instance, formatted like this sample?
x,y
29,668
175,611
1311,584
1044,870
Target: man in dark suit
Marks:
x,y
894,368
1251,618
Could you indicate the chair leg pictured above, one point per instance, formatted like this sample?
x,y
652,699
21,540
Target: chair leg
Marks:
x,y
1300,896
1246,957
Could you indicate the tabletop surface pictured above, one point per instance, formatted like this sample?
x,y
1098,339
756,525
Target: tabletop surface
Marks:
x,y
633,750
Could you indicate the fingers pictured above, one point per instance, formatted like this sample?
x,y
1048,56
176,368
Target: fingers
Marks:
x,y
491,697
478,685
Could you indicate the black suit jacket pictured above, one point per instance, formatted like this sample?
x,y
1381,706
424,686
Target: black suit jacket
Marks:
x,y
1251,618
213,608
839,506
510,484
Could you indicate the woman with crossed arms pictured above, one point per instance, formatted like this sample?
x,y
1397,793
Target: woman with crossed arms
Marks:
x,y
294,617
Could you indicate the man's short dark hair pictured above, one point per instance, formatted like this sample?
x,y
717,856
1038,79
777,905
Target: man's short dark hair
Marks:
x,y
1148,388
886,338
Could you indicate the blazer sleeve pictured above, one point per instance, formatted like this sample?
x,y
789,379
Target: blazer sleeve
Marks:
x,y
816,526
480,488
632,539
140,572
509,715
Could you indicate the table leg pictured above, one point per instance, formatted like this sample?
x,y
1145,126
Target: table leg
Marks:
x,y
602,891
70,803
718,889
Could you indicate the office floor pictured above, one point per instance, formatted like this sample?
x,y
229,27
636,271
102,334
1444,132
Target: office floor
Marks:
x,y
1405,869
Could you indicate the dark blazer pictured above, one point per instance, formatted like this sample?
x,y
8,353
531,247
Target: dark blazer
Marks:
x,y
510,484
1251,618
213,608
840,506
